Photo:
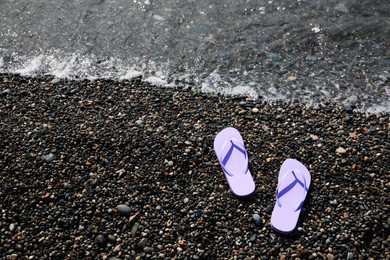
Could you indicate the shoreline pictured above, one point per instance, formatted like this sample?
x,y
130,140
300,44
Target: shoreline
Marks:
x,y
72,151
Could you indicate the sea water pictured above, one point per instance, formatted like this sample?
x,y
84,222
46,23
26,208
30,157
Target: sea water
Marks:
x,y
307,50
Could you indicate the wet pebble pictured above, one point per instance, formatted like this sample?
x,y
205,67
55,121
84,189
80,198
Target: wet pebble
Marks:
x,y
55,81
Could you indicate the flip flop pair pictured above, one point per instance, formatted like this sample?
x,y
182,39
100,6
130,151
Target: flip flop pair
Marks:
x,y
293,181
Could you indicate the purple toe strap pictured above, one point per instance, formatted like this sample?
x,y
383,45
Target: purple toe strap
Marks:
x,y
234,144
289,187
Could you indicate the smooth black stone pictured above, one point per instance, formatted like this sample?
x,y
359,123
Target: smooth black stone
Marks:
x,y
101,241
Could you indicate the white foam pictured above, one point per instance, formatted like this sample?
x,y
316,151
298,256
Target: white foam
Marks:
x,y
381,108
131,74
245,91
62,68
157,81
77,66
2,65
31,66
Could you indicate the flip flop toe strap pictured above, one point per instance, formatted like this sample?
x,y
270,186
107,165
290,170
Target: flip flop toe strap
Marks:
x,y
234,144
285,190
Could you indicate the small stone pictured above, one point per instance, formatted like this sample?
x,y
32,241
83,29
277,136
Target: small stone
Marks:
x,y
142,243
12,227
49,157
186,200
13,257
282,257
117,248
124,210
148,249
111,238
139,122
314,137
273,56
341,150
312,58
269,208
55,81
350,256
100,241
170,163
255,110
291,78
132,218
134,229
257,219
19,248
6,91
330,256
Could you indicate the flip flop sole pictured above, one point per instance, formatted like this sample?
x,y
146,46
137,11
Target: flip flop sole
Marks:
x,y
241,183
285,218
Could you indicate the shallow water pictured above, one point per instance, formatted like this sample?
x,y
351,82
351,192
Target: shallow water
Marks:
x,y
311,51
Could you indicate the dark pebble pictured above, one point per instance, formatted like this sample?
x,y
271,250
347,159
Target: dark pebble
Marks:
x,y
142,243
101,241
124,210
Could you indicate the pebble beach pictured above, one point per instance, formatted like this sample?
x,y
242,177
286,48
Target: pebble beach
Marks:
x,y
123,170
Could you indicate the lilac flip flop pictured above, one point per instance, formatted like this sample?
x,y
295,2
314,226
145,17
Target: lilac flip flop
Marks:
x,y
293,185
230,150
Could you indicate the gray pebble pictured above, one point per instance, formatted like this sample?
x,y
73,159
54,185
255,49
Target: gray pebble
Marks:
x,y
112,238
312,58
143,242
300,229
55,81
6,91
49,157
124,210
273,56
257,219
134,229
139,122
350,256
148,249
